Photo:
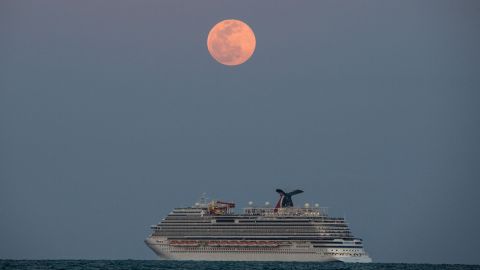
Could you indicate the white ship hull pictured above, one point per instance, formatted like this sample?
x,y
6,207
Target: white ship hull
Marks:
x,y
166,252
213,232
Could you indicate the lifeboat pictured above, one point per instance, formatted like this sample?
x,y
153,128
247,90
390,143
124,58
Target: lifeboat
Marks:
x,y
184,243
273,244
239,243
223,243
262,244
213,243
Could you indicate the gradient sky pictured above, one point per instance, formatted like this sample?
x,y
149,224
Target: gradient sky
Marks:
x,y
113,112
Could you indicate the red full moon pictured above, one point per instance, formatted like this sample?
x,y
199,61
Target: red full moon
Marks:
x,y
231,42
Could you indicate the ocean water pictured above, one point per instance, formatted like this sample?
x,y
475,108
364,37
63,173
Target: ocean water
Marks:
x,y
190,265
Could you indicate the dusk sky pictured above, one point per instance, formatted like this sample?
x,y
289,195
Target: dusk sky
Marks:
x,y
113,112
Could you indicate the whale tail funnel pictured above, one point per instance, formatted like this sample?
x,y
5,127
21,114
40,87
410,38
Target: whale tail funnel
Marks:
x,y
286,198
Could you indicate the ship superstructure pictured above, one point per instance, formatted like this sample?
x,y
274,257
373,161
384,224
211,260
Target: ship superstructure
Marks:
x,y
212,231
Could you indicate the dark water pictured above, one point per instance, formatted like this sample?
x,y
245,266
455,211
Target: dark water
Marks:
x,y
133,264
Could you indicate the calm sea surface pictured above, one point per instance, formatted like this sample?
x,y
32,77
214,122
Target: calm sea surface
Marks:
x,y
134,264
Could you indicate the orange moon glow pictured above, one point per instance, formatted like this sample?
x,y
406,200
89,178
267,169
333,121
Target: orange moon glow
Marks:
x,y
231,42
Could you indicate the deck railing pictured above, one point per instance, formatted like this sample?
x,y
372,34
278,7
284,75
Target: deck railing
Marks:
x,y
290,211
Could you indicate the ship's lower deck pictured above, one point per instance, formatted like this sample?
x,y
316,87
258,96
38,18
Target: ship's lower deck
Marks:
x,y
293,252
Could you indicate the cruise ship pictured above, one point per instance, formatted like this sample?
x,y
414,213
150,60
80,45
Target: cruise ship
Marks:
x,y
212,231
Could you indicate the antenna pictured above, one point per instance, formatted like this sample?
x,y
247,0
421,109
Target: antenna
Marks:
x,y
202,200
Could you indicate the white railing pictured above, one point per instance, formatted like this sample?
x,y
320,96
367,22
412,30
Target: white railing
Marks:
x,y
290,211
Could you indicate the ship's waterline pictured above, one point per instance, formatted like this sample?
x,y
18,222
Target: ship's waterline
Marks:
x,y
213,232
